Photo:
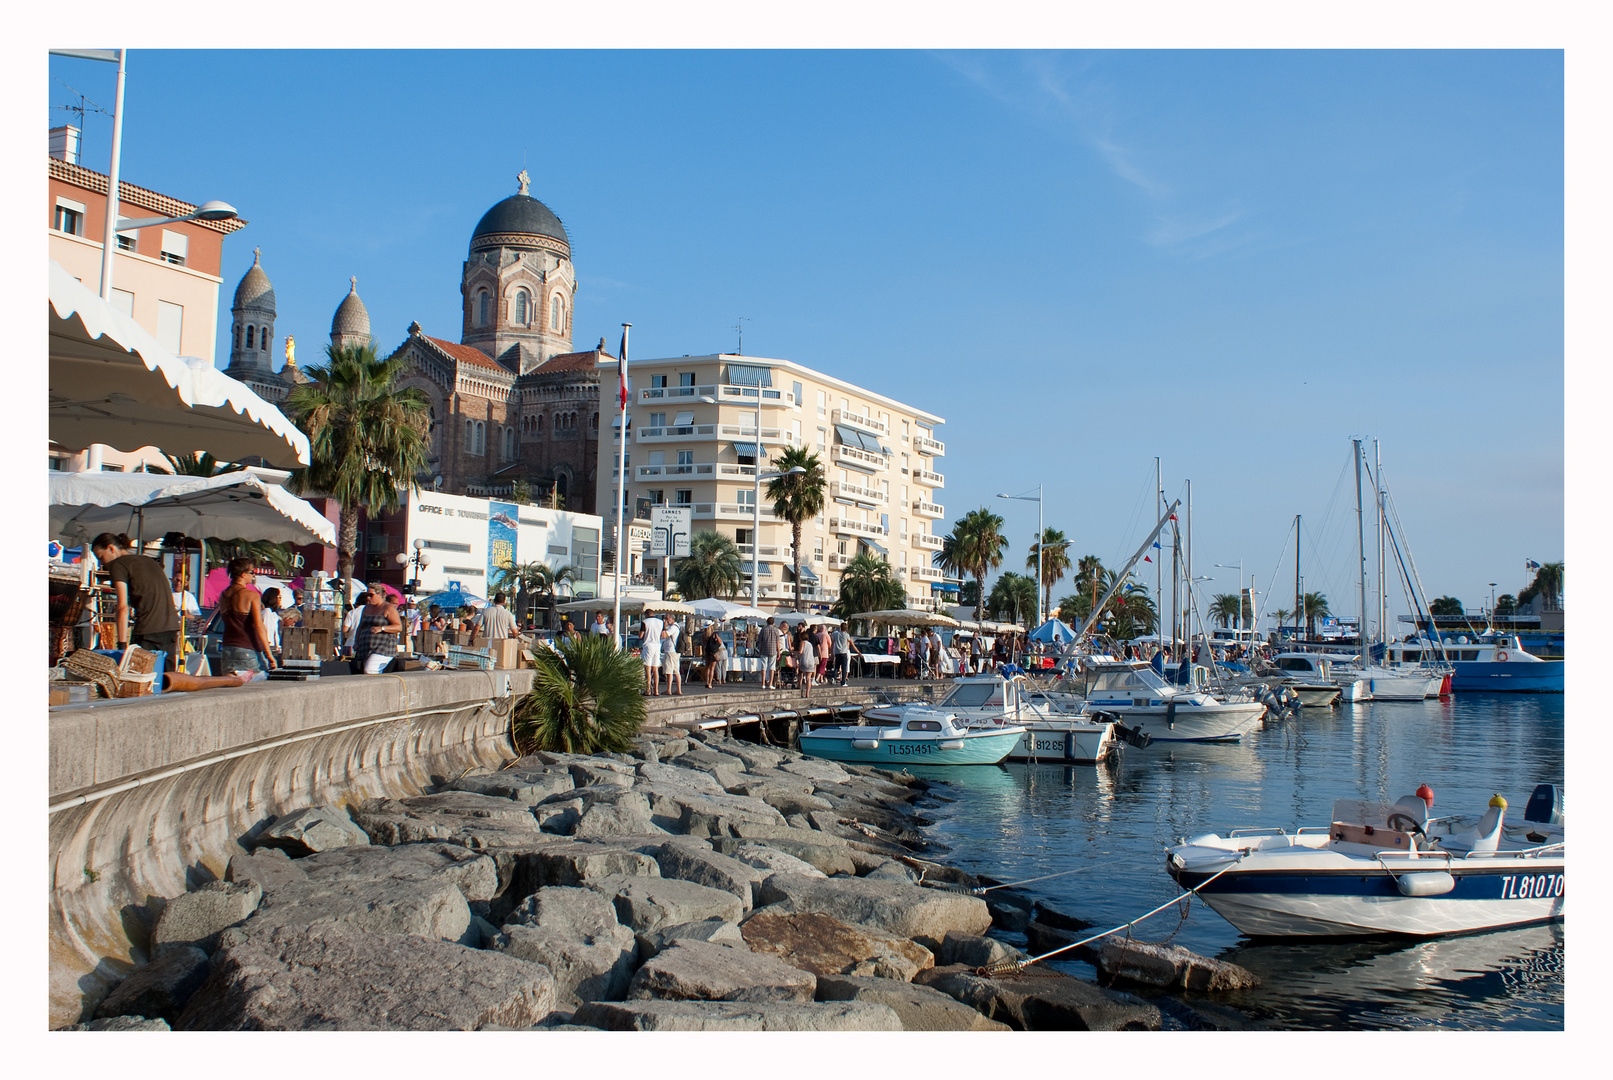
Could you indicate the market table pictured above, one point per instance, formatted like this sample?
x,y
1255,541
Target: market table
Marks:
x,y
864,659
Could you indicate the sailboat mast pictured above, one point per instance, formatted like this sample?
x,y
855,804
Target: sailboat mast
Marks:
x,y
1383,596
1361,550
1298,610
1187,565
1159,564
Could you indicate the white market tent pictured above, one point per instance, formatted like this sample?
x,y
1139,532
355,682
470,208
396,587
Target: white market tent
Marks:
x,y
236,505
905,617
724,611
111,382
631,605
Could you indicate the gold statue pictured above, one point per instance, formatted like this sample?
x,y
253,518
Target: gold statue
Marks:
x,y
291,350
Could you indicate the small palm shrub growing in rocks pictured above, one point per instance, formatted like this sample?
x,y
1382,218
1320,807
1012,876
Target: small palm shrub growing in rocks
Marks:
x,y
585,699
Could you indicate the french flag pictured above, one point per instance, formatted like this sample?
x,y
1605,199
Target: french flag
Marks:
x,y
621,371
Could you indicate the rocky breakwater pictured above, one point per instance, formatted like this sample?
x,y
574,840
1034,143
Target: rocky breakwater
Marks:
x,y
697,884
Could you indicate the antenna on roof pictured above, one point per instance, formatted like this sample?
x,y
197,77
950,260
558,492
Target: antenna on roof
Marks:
x,y
84,105
739,328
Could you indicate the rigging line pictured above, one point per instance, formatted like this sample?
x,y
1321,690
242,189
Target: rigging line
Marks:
x,y
1282,553
1325,559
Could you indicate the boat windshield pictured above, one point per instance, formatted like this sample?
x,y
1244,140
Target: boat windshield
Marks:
x,y
1124,680
971,695
1295,663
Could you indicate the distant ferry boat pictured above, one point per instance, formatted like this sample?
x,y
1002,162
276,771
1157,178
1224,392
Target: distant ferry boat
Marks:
x,y
1494,664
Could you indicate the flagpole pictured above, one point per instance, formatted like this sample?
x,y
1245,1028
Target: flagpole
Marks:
x,y
621,485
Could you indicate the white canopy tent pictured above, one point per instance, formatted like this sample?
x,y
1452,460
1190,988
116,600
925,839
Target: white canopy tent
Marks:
x,y
724,611
112,383
807,618
631,605
228,506
905,617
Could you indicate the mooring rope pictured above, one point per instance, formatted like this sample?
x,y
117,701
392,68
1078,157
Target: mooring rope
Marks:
x,y
1012,967
982,890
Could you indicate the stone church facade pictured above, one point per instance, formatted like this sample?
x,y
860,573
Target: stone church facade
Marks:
x,y
514,411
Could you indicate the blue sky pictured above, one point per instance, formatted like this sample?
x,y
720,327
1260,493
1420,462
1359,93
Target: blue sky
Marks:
x,y
1231,260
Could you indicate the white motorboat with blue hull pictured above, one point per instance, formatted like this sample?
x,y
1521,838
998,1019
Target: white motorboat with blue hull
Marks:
x,y
991,701
1384,870
923,737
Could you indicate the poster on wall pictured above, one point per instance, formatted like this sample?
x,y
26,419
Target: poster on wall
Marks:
x,y
502,532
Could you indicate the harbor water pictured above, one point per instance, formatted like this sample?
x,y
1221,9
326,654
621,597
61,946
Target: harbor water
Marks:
x,y
1110,825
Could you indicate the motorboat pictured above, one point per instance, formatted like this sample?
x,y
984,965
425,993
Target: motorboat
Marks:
x,y
1494,663
924,736
990,702
1384,869
1133,691
1313,678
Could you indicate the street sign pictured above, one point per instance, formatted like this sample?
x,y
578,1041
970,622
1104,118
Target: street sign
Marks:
x,y
669,531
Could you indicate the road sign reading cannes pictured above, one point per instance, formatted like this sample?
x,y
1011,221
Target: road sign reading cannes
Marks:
x,y
669,531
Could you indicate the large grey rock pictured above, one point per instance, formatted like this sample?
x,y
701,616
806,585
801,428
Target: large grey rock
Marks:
x,y
600,773
121,1023
975,951
478,822
788,802
571,862
688,863
649,903
1169,966
469,804
558,816
828,854
904,910
826,946
921,1008
760,787
196,918
893,821
738,1016
716,931
894,870
673,774
311,829
703,971
527,786
473,874
160,989
574,933
267,868
627,815
750,754
815,769
771,860
1044,1000
338,978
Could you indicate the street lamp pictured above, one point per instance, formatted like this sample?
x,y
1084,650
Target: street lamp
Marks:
x,y
420,559
1040,537
1492,599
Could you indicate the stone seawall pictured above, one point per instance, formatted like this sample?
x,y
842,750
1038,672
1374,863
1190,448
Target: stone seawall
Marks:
x,y
149,796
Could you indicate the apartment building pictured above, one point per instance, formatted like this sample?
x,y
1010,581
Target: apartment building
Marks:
x,y
699,426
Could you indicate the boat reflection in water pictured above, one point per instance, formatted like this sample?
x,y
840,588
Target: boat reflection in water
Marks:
x,y
1504,978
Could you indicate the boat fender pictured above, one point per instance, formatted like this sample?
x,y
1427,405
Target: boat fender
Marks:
x,y
951,744
865,744
1426,794
1501,656
1170,714
1437,883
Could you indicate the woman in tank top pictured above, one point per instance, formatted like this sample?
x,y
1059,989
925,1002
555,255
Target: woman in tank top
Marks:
x,y
245,646
378,629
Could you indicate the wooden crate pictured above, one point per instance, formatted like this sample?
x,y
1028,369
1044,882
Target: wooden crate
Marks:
x,y
318,619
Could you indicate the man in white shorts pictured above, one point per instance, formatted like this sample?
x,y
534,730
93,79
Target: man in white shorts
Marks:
x,y
650,647
767,651
671,663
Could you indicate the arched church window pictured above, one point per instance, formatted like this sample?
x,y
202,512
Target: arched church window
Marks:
x,y
484,308
537,424
509,443
556,312
238,337
249,336
521,315
593,424
264,340
479,443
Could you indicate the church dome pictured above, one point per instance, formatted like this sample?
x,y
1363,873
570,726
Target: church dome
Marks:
x,y
517,222
351,317
255,290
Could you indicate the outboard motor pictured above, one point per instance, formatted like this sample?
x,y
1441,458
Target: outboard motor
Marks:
x,y
1544,806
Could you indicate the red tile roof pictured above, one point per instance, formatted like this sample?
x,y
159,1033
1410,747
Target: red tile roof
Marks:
x,y
129,194
468,354
571,361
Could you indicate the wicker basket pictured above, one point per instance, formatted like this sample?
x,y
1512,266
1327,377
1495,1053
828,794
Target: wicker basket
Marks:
x,y
133,677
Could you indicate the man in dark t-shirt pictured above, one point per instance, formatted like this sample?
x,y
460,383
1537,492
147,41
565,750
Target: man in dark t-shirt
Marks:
x,y
140,584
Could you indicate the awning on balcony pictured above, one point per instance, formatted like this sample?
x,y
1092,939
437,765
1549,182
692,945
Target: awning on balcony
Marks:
x,y
749,375
862,440
873,546
745,449
683,419
616,421
807,573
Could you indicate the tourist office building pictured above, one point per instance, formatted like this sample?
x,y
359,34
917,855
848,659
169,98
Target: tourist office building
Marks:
x,y
466,540
694,440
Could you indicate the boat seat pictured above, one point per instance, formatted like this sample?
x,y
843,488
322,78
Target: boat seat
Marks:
x,y
1412,807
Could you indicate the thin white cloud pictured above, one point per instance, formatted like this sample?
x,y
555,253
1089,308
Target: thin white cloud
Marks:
x,y
1170,230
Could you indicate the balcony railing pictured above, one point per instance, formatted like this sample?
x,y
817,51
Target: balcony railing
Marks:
x,y
843,489
928,509
646,472
726,393
769,551
925,573
731,511
925,445
925,476
724,469
777,436
858,420
838,561
856,458
928,542
684,433
856,528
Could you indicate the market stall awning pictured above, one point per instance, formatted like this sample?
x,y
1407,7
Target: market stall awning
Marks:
x,y
111,382
230,506
905,617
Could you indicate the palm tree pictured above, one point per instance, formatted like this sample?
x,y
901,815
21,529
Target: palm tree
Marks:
x,y
974,547
585,699
1226,608
1074,608
367,436
533,580
1281,615
1054,550
1133,613
712,567
1548,584
1445,605
1013,593
1315,608
1089,575
868,584
1506,604
797,498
